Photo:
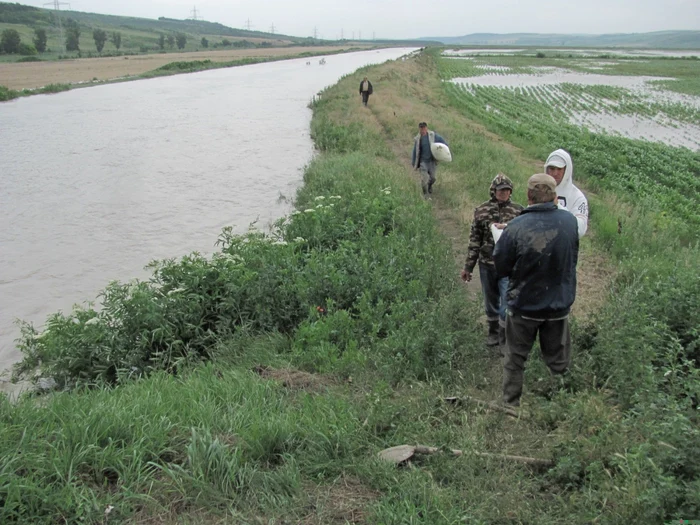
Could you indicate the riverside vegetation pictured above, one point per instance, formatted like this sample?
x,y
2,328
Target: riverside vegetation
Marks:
x,y
257,385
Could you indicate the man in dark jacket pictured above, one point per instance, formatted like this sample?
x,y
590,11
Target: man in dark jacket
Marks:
x,y
497,212
365,90
538,251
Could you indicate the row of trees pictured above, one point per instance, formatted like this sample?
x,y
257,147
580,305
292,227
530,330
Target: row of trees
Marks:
x,y
98,35
11,41
180,39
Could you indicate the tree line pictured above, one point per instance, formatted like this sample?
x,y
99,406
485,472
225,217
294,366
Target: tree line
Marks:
x,y
11,41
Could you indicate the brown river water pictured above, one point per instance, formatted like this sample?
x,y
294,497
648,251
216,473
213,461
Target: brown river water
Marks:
x,y
97,182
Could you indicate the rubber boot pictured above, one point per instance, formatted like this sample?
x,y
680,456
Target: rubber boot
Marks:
x,y
492,338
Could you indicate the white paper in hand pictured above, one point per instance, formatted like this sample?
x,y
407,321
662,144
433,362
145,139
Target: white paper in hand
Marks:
x,y
496,233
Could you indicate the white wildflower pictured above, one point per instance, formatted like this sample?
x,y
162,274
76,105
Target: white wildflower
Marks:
x,y
336,197
296,212
94,320
176,290
319,198
75,320
299,239
280,243
309,210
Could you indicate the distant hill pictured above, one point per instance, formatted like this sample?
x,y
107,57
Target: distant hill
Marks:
x,y
142,35
655,40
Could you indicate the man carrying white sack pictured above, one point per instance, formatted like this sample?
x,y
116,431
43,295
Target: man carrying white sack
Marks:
x,y
560,167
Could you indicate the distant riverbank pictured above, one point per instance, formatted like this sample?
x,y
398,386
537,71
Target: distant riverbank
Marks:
x,y
20,76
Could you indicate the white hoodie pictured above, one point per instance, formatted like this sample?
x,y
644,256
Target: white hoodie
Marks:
x,y
570,197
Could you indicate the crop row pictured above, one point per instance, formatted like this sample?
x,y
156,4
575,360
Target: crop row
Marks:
x,y
668,178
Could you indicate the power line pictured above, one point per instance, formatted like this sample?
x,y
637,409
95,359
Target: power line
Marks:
x,y
57,10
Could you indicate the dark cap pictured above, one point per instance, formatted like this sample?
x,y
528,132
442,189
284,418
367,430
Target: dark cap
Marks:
x,y
504,186
544,184
422,125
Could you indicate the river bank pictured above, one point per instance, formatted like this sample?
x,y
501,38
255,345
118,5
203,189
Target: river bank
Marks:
x,y
35,75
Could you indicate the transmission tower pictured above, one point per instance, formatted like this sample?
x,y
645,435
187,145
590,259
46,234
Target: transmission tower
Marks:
x,y
248,24
341,34
193,14
57,9
374,35
360,37
272,29
315,33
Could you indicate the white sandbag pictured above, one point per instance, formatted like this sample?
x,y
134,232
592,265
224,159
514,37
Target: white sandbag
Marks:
x,y
496,233
441,152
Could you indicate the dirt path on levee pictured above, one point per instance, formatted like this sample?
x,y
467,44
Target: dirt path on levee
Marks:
x,y
394,115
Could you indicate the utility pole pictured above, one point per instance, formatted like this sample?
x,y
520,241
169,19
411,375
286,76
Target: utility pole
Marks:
x,y
57,9
248,25
193,14
272,28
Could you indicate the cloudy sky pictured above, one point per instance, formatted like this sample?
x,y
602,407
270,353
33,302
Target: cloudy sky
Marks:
x,y
414,18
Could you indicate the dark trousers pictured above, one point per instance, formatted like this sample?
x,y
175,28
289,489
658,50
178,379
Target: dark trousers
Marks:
x,y
494,292
555,343
365,97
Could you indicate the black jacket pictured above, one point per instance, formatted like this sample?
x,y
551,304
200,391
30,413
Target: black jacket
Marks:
x,y
538,251
370,90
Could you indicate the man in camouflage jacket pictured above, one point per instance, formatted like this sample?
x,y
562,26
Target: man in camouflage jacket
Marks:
x,y
498,210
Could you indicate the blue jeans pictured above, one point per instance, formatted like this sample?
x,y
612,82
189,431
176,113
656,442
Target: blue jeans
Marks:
x,y
494,292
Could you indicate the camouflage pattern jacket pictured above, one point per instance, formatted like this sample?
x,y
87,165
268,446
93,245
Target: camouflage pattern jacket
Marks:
x,y
481,242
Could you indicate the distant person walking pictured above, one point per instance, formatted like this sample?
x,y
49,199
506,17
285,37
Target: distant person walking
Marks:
x,y
561,168
538,251
365,90
497,211
422,157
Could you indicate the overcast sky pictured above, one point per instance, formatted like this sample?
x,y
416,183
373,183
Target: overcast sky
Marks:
x,y
413,18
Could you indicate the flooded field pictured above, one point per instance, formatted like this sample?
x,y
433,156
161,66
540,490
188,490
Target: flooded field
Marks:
x,y
634,107
577,52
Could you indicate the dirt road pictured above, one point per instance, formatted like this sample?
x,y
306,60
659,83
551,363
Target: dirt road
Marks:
x,y
29,75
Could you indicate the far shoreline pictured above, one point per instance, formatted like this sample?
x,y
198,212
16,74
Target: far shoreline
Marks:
x,y
22,79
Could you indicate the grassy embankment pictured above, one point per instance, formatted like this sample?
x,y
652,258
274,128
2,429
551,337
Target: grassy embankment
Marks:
x,y
353,296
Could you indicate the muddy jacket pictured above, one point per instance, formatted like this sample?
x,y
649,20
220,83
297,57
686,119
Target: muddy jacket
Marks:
x,y
570,197
369,87
480,238
538,251
415,156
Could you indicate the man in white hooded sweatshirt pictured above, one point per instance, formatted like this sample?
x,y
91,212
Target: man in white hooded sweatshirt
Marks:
x,y
561,168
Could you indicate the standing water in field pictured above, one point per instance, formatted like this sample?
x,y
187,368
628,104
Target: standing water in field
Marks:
x,y
641,110
98,182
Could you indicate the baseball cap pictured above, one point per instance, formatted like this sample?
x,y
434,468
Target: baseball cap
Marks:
x,y
422,125
542,182
557,161
504,186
